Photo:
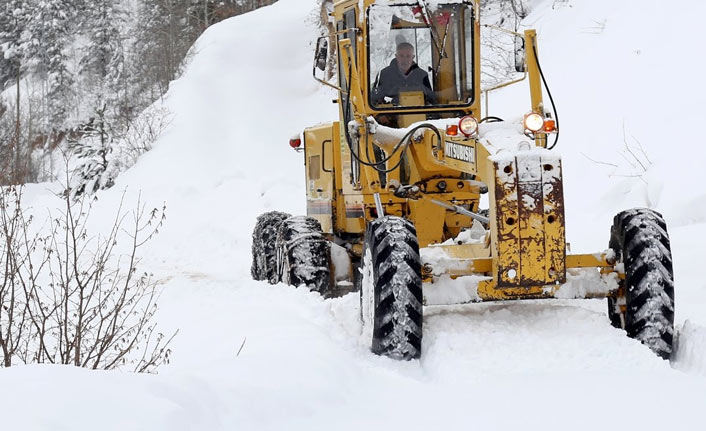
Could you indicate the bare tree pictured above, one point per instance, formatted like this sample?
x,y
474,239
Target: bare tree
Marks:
x,y
70,297
13,304
142,132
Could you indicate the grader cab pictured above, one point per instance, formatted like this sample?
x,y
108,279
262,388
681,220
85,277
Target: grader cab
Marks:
x,y
416,197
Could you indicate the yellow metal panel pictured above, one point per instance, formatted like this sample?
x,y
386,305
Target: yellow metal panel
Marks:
x,y
428,218
319,161
587,261
411,98
533,71
422,162
529,221
487,291
346,167
505,232
351,213
530,208
554,226
456,222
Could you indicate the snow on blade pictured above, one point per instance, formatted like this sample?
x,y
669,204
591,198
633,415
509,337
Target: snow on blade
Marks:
x,y
584,282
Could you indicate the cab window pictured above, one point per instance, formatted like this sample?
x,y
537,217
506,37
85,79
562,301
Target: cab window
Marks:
x,y
440,45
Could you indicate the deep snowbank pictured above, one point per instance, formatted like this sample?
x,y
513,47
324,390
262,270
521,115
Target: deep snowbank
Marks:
x,y
226,157
690,352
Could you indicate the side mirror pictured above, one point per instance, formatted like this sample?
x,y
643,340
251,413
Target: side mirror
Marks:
x,y
519,54
321,53
321,62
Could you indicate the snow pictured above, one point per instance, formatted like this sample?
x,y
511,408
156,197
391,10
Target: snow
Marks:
x,y
303,365
341,262
367,299
584,282
445,290
690,349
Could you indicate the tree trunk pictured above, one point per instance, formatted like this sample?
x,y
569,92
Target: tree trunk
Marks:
x,y
205,14
16,170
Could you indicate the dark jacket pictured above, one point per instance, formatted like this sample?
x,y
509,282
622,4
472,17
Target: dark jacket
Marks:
x,y
391,81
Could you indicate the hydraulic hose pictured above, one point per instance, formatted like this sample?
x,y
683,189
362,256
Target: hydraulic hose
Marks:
x,y
551,99
400,144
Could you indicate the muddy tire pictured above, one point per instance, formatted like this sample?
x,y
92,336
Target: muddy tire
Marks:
x,y
391,289
640,240
303,254
264,261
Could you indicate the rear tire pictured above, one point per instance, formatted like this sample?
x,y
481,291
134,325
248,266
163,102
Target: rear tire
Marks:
x,y
303,254
391,290
264,262
640,240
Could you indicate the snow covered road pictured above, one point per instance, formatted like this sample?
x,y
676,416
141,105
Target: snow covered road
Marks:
x,y
539,365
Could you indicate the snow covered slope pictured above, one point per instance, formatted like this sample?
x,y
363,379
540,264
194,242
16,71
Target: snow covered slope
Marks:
x,y
530,365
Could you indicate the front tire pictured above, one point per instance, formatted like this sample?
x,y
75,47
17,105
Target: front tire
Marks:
x,y
391,291
303,254
645,305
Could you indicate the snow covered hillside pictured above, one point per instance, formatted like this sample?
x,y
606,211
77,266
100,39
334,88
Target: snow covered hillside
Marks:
x,y
259,357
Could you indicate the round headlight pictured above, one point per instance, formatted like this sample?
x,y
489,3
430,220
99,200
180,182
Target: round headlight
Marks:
x,y
468,125
534,122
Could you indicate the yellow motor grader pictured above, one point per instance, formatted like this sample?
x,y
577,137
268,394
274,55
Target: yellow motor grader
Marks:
x,y
395,188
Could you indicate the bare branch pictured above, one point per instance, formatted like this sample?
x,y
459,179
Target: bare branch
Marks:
x,y
72,299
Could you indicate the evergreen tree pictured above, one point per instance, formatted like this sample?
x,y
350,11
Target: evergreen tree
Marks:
x,y
163,41
102,64
11,24
93,149
89,59
14,16
50,27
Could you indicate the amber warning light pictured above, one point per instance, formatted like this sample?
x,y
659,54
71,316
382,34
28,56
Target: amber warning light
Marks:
x,y
549,125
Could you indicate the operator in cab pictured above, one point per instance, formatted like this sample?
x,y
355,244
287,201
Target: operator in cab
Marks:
x,y
403,74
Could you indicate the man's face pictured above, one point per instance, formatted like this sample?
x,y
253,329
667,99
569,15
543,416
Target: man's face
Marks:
x,y
405,57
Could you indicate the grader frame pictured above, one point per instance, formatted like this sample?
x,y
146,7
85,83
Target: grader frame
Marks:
x,y
395,187
525,253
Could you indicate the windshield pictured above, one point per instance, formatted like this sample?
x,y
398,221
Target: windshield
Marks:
x,y
420,56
